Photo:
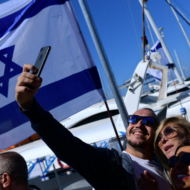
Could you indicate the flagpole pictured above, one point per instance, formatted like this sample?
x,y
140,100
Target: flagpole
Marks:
x,y
104,60
113,124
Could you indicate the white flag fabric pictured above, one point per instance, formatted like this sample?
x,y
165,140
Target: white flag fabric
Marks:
x,y
70,78
163,61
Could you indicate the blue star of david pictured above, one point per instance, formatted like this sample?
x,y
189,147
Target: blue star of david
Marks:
x,y
11,69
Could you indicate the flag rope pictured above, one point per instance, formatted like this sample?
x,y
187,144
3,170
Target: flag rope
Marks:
x,y
113,124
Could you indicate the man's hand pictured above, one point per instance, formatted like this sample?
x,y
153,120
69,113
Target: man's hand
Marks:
x,y
148,181
23,94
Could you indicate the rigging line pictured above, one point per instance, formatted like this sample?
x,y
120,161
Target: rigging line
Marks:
x,y
129,20
183,39
149,30
182,7
148,26
133,22
111,42
136,14
176,10
168,24
179,33
132,68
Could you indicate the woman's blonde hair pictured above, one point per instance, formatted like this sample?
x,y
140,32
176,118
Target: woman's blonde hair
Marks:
x,y
181,122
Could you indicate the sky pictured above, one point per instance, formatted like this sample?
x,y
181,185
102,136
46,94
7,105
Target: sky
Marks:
x,y
119,24
121,34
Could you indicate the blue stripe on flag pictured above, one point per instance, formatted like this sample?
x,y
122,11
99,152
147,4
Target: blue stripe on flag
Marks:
x,y
12,21
158,46
51,96
158,78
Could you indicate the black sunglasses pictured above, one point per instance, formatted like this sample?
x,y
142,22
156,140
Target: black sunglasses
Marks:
x,y
149,121
174,159
169,133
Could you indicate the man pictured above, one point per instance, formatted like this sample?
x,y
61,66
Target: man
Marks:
x,y
13,172
96,165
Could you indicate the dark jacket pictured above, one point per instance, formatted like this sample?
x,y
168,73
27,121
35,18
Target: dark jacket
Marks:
x,y
99,166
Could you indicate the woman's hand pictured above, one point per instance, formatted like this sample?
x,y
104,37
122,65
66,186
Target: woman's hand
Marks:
x,y
148,181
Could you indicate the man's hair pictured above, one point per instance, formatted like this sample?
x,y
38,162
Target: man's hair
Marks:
x,y
155,116
15,165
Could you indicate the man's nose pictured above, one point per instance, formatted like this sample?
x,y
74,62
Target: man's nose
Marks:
x,y
140,123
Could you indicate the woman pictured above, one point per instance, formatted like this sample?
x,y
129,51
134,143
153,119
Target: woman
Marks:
x,y
171,133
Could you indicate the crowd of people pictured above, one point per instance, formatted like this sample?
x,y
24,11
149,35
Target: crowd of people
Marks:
x,y
157,154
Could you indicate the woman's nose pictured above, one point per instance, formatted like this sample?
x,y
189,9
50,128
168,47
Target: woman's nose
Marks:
x,y
164,139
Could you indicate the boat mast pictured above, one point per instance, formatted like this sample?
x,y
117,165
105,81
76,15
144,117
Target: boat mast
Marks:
x,y
157,32
179,65
104,60
168,1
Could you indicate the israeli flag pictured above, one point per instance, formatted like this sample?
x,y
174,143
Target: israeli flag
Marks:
x,y
70,78
163,61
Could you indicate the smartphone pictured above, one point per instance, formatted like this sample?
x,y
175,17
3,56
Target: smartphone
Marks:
x,y
41,60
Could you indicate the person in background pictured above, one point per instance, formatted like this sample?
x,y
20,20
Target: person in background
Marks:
x,y
13,172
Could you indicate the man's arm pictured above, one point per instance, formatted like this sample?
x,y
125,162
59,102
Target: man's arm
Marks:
x,y
89,161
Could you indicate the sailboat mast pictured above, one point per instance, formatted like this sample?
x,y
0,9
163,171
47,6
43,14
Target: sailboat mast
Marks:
x,y
179,22
157,32
104,60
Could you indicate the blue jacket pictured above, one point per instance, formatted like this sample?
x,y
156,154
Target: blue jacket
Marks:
x,y
102,168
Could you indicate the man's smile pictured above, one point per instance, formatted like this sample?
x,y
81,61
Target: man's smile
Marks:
x,y
139,132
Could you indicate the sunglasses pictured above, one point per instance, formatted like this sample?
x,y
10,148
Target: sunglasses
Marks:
x,y
149,121
174,159
169,132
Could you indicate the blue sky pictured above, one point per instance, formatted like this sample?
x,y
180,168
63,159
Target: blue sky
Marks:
x,y
2,1
122,42
121,33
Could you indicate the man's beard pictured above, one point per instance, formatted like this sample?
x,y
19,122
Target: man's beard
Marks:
x,y
136,145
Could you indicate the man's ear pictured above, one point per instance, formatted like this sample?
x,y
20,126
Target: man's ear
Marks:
x,y
6,180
